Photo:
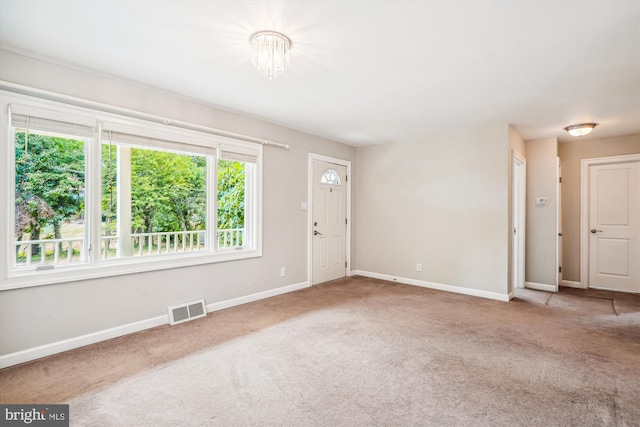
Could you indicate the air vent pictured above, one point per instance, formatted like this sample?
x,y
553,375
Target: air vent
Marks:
x,y
187,311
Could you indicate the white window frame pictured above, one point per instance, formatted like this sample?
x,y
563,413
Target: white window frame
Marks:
x,y
11,278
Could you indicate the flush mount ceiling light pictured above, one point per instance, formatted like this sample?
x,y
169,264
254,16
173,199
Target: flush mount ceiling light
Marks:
x,y
270,53
580,130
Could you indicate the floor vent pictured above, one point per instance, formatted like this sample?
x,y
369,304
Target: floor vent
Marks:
x,y
187,311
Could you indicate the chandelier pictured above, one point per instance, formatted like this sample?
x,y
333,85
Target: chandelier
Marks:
x,y
270,53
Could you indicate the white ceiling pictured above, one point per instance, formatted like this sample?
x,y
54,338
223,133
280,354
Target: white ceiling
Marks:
x,y
363,72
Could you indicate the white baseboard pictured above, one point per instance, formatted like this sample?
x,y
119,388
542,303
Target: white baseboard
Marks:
x,y
613,290
71,343
540,286
92,338
571,284
255,297
432,285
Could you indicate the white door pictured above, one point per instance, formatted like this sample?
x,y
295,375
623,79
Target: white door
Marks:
x,y
614,217
329,221
519,208
559,228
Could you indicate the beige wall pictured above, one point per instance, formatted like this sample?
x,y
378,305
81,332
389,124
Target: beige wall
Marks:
x,y
41,315
571,154
441,202
541,236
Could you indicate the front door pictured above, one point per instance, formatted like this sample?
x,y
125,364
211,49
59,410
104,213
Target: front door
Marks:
x,y
329,221
614,226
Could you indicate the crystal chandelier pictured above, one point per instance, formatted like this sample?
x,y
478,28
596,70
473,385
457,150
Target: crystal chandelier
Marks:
x,y
270,53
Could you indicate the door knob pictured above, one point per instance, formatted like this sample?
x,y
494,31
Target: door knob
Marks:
x,y
594,231
315,233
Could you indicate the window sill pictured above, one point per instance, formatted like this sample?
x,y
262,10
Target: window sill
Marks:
x,y
31,277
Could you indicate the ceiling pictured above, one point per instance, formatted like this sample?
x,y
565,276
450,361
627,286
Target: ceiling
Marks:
x,y
363,72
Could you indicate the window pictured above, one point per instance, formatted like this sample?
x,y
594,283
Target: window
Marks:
x,y
330,177
97,194
154,200
49,219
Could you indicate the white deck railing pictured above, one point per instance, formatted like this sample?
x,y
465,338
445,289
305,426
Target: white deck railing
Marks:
x,y
230,238
144,244
59,251
56,247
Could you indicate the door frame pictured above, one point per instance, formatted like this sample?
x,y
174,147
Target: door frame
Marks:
x,y
347,250
519,197
584,207
559,233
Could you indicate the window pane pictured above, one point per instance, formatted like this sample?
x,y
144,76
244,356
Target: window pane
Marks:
x,y
331,177
231,203
153,202
49,199
109,223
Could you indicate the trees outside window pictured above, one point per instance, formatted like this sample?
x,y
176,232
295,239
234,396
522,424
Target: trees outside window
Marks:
x,y
88,196
49,193
167,193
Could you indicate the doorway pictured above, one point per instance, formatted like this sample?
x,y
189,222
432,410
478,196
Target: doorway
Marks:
x,y
610,223
559,226
329,218
519,189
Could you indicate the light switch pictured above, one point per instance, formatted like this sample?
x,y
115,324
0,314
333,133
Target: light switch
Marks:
x,y
542,201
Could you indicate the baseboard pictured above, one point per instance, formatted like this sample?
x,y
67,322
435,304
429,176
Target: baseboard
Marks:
x,y
69,344
571,284
613,290
432,285
255,297
540,286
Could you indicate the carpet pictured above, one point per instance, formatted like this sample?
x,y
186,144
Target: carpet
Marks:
x,y
361,352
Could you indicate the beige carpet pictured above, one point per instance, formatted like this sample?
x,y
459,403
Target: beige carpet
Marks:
x,y
361,352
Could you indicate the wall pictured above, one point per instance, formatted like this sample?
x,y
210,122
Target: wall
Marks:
x,y
441,202
541,236
571,154
48,314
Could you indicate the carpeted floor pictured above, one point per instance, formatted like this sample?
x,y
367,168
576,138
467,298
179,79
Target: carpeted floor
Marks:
x,y
361,352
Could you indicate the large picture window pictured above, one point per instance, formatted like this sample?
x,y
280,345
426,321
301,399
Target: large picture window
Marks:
x,y
96,194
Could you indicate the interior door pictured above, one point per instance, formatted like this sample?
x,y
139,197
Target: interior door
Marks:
x,y
614,217
519,208
329,221
559,228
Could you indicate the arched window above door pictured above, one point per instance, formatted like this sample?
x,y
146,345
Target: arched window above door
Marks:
x,y
330,177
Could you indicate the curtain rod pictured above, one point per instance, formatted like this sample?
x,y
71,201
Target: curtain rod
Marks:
x,y
52,96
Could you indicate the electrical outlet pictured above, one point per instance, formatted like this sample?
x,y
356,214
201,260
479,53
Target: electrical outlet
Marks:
x,y
283,272
418,267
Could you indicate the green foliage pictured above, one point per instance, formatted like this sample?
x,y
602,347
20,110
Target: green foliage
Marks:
x,y
231,192
109,190
49,182
168,190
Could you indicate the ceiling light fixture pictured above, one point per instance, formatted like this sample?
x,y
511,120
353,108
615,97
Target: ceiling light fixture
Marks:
x,y
270,53
580,130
